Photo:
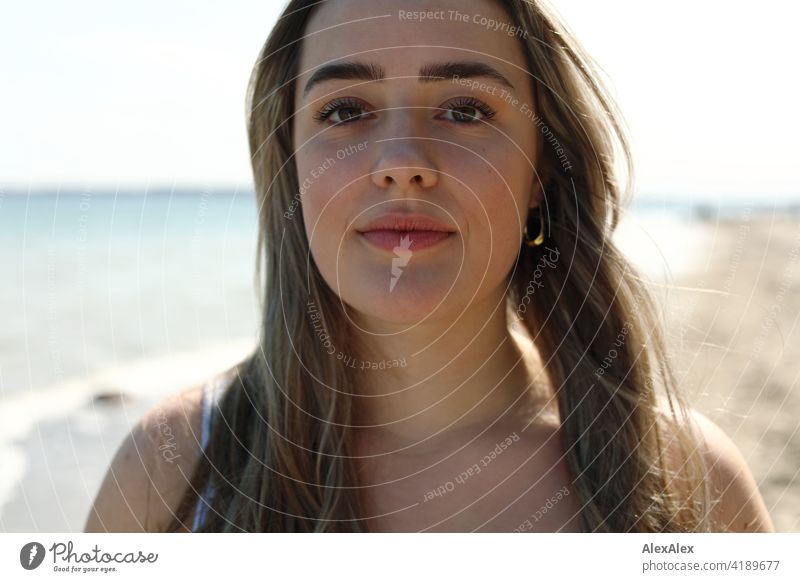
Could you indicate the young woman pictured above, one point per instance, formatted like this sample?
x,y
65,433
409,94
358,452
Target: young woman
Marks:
x,y
450,340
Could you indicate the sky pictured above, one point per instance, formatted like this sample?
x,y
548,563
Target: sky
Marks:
x,y
99,94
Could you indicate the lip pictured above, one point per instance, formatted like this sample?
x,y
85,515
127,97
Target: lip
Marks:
x,y
400,242
398,233
406,223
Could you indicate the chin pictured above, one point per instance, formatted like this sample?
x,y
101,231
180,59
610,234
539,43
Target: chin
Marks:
x,y
406,299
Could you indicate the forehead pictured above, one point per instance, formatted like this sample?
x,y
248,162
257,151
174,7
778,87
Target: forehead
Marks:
x,y
419,31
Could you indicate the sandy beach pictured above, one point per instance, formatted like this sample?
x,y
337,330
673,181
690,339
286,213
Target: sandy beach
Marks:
x,y
732,311
57,467
734,331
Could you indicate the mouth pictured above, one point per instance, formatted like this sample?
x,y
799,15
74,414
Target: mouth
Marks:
x,y
405,241
406,233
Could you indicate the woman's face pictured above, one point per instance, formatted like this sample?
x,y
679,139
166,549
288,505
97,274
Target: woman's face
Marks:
x,y
458,151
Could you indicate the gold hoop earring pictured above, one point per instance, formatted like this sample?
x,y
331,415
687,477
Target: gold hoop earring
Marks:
x,y
539,239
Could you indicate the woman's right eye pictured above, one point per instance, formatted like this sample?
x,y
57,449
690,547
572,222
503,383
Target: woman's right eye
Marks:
x,y
345,109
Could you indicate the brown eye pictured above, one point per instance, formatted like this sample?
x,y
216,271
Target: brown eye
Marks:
x,y
465,114
346,110
347,113
468,110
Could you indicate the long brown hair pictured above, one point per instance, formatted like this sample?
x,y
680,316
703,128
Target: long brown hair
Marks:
x,y
278,458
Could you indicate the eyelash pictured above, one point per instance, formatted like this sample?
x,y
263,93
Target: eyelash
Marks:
x,y
458,103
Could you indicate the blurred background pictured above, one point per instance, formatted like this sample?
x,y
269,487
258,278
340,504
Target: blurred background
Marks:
x,y
128,221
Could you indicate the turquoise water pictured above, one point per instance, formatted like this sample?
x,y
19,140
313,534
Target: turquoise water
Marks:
x,y
92,280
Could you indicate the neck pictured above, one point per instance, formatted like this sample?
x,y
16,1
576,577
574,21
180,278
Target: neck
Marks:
x,y
441,377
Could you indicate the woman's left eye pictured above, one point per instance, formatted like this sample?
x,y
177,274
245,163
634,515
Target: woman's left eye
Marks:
x,y
466,110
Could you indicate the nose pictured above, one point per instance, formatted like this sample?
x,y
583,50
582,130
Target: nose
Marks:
x,y
403,164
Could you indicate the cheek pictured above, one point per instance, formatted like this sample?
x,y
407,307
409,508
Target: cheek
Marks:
x,y
329,180
495,200
495,242
324,224
497,214
326,178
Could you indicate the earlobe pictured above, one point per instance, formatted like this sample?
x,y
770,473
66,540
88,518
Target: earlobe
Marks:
x,y
536,195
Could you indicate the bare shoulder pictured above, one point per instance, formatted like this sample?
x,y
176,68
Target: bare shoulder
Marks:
x,y
151,468
741,507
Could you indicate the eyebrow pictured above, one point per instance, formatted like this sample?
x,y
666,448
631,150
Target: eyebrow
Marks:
x,y
427,73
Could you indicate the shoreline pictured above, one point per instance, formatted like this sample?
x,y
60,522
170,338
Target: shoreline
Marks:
x,y
85,417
